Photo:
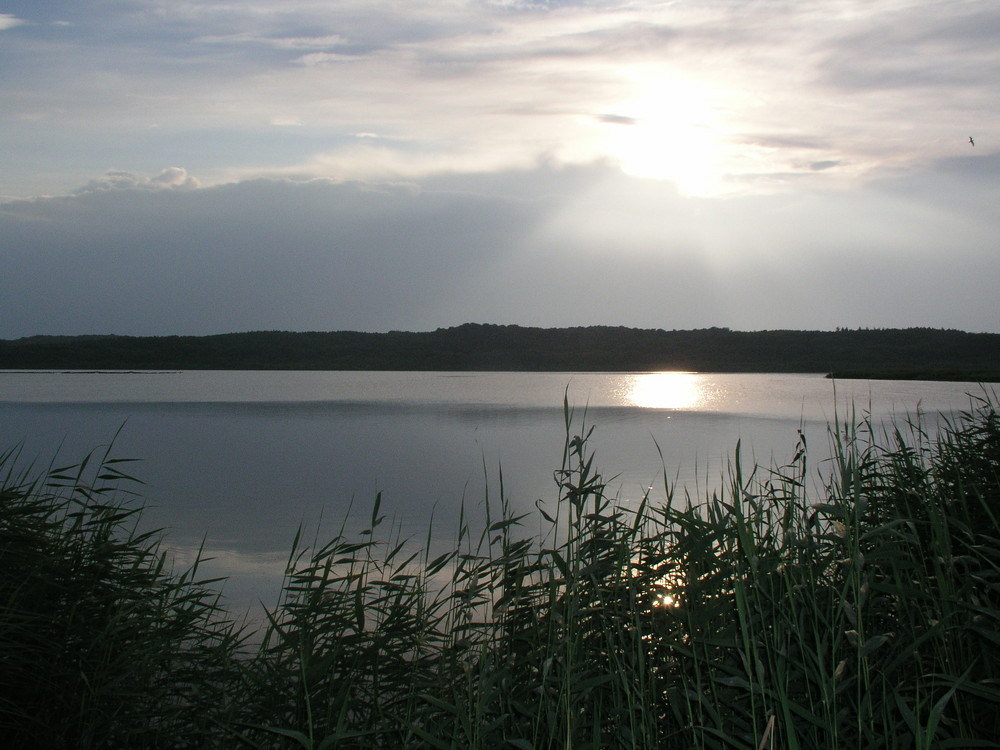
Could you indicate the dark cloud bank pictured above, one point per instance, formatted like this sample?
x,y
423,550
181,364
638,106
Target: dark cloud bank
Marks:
x,y
546,247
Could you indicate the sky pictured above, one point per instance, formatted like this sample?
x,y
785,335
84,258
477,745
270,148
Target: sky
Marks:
x,y
210,166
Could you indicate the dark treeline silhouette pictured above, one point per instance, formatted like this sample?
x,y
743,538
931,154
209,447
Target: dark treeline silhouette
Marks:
x,y
900,353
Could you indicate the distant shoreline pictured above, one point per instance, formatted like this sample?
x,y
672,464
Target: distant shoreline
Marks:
x,y
89,372
953,377
912,353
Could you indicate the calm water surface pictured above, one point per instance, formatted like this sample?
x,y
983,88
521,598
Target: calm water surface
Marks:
x,y
239,460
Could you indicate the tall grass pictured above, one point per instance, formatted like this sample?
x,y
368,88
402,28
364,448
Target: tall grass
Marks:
x,y
101,644
854,604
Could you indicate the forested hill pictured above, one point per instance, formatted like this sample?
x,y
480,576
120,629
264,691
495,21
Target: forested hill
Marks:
x,y
913,352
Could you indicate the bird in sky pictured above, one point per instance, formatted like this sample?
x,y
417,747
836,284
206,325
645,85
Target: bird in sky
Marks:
x,y
972,141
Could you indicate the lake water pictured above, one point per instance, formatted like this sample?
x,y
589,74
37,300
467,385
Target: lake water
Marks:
x,y
238,461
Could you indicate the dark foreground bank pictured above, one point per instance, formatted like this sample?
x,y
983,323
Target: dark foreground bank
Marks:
x,y
859,612
934,354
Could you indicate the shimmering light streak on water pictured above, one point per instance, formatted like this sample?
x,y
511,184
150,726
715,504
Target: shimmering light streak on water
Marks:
x,y
667,390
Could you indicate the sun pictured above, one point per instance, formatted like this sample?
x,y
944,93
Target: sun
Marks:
x,y
668,132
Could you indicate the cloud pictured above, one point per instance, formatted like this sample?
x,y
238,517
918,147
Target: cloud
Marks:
x,y
914,46
7,21
294,43
542,246
511,82
364,164
325,58
174,177
617,119
171,177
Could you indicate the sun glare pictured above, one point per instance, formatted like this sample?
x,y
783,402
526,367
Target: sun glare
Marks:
x,y
665,599
671,135
667,390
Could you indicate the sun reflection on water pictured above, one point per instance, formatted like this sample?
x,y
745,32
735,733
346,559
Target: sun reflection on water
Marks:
x,y
667,390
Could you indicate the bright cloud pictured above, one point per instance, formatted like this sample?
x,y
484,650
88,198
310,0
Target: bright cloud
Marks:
x,y
720,93
171,177
7,21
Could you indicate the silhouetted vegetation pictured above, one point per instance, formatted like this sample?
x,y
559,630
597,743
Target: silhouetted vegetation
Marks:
x,y
931,353
858,610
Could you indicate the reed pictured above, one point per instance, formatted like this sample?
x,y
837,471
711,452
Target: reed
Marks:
x,y
852,604
101,644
